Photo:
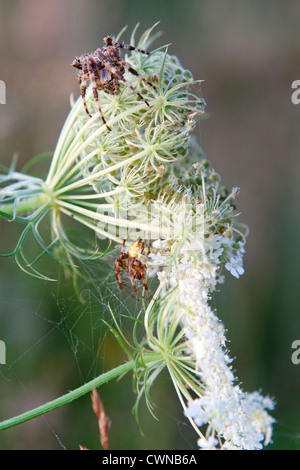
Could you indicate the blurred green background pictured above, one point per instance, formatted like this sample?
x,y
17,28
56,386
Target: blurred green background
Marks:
x,y
248,54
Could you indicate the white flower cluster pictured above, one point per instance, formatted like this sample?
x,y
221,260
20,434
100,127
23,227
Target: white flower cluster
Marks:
x,y
206,239
237,417
197,220
238,420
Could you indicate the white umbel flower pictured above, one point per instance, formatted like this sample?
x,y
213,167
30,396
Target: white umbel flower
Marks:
x,y
206,240
147,178
238,418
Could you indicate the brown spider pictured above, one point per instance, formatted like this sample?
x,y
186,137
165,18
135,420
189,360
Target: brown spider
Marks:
x,y
131,263
105,68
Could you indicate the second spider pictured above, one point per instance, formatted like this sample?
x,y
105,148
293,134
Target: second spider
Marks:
x,y
132,264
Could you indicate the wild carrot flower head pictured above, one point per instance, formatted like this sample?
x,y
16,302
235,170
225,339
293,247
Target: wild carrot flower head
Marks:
x,y
96,173
147,178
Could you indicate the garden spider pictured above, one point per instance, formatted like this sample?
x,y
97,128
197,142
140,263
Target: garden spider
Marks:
x,y
105,68
131,263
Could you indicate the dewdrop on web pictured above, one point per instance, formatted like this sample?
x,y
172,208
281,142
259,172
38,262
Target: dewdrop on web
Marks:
x,y
127,167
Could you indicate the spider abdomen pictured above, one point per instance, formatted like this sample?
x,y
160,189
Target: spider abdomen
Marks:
x,y
135,248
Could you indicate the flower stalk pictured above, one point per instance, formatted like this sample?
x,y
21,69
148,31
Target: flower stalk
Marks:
x,y
68,397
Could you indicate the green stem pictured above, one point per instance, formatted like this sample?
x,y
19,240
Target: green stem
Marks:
x,y
68,397
29,204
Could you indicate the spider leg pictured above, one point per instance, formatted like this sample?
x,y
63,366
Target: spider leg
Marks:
x,y
136,74
145,283
83,82
94,74
95,93
118,263
109,41
120,76
142,246
122,249
130,48
83,86
131,276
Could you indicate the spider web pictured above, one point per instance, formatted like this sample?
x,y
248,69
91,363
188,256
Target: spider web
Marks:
x,y
56,342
